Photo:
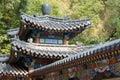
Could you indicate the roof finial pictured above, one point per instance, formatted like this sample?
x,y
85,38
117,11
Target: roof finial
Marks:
x,y
46,8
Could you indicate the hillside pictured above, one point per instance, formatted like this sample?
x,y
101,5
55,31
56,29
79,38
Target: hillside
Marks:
x,y
104,15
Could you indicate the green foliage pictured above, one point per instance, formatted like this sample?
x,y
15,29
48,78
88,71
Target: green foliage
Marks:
x,y
104,14
114,17
85,9
4,44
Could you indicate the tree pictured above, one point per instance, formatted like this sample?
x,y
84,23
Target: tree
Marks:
x,y
104,15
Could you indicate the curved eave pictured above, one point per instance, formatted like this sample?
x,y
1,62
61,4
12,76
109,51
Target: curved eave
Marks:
x,y
51,28
99,52
50,24
4,57
9,68
12,70
44,51
12,32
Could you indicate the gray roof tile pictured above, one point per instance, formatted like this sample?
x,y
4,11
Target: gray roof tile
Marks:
x,y
55,24
81,54
6,69
46,49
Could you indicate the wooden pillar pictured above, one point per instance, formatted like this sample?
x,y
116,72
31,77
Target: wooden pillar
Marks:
x,y
37,39
65,41
30,68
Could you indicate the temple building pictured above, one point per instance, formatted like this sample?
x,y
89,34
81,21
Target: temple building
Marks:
x,y
40,51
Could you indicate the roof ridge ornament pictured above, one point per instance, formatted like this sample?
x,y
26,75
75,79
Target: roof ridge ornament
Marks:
x,y
46,8
36,15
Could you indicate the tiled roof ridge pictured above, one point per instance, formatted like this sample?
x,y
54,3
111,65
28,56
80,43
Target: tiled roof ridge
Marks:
x,y
10,69
4,57
36,46
12,32
44,16
45,50
14,29
48,45
64,20
113,43
49,23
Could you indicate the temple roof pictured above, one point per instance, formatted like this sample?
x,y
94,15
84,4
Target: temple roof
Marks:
x,y
10,69
49,23
100,51
7,69
4,57
46,50
12,32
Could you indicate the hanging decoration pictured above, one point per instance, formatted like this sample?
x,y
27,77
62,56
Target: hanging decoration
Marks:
x,y
93,65
78,68
112,60
116,69
102,69
71,72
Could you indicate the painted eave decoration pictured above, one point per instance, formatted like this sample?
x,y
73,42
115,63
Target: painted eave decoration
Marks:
x,y
99,52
